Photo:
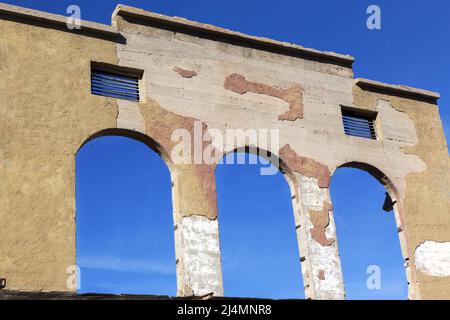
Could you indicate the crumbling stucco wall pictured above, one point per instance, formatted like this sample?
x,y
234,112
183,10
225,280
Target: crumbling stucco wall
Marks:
x,y
424,194
433,258
46,113
229,86
191,73
207,80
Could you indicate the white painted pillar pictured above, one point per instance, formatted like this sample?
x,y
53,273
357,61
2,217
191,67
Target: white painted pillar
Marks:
x,y
197,245
316,234
199,270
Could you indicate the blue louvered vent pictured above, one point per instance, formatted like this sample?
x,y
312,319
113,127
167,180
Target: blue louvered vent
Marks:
x,y
114,85
359,125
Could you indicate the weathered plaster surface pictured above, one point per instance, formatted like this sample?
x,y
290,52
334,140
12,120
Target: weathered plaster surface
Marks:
x,y
129,116
293,95
205,98
45,92
46,113
305,166
424,201
317,136
320,221
198,260
185,73
193,187
321,266
321,275
433,258
211,29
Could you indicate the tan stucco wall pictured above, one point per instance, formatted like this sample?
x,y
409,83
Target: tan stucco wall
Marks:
x,y
426,204
46,113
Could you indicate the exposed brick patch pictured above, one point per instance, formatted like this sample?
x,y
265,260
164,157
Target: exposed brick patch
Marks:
x,y
321,275
306,166
185,73
320,221
293,95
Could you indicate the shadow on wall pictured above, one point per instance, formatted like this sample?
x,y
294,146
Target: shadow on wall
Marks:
x,y
125,241
369,245
260,256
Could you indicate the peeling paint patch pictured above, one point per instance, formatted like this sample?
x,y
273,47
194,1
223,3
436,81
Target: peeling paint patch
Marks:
x,y
129,116
293,95
320,256
194,184
198,239
433,258
321,275
185,73
320,221
305,166
396,125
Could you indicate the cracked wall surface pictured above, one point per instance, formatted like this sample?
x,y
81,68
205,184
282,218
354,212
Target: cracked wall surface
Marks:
x,y
191,77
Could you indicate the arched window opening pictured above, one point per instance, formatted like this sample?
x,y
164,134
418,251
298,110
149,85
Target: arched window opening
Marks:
x,y
369,246
260,256
124,219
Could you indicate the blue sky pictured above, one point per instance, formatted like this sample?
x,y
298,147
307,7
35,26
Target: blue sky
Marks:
x,y
119,242
124,218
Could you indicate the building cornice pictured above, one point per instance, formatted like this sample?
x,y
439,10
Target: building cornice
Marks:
x,y
402,90
127,11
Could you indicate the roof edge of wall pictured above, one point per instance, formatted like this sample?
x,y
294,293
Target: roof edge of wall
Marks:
x,y
128,11
123,10
406,91
55,19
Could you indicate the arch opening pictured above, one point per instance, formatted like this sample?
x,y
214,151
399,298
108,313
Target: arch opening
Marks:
x,y
260,255
371,241
124,223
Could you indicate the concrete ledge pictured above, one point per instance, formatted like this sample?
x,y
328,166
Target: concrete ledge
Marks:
x,y
127,11
398,89
59,295
55,19
30,295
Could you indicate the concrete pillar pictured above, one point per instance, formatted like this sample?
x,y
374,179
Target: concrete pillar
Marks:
x,y
197,247
316,234
198,256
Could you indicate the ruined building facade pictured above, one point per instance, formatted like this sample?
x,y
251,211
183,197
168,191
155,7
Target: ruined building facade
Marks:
x,y
189,71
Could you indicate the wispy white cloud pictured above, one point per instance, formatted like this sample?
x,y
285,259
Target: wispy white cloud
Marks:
x,y
119,264
390,290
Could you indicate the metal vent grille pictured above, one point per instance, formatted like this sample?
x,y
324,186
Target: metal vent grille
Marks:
x,y
114,85
359,125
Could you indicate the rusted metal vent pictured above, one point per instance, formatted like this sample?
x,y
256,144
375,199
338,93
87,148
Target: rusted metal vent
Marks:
x,y
114,85
359,125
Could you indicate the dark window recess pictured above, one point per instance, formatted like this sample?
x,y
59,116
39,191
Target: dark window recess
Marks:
x,y
114,85
359,125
